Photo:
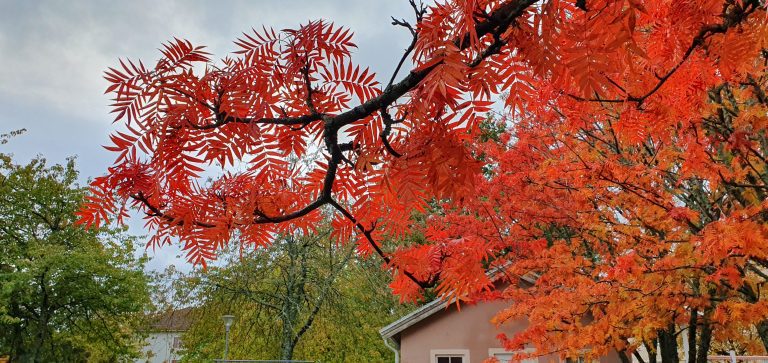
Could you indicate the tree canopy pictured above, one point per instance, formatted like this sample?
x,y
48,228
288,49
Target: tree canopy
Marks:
x,y
66,294
629,172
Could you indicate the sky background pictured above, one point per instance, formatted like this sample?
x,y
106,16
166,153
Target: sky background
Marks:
x,y
53,53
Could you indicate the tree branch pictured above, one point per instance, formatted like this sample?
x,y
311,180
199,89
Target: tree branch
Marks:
x,y
388,260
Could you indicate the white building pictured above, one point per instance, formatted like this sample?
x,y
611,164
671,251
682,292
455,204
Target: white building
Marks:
x,y
163,341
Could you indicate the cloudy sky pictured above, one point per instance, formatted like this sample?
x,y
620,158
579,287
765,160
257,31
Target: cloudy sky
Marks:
x,y
53,53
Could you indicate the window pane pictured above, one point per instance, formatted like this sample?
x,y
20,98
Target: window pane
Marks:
x,y
457,359
443,360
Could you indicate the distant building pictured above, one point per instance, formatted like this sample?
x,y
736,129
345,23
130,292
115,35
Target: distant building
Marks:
x,y
163,341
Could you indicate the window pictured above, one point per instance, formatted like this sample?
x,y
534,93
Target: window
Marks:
x,y
176,342
449,356
504,356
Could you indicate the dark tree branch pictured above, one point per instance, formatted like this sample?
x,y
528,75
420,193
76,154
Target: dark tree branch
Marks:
x,y
308,84
386,258
500,20
418,10
388,122
495,23
403,58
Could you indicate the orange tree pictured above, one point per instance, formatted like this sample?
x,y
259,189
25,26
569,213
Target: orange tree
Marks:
x,y
631,180
641,203
633,241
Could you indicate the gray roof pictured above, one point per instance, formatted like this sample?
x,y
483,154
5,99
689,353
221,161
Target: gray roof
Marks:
x,y
413,317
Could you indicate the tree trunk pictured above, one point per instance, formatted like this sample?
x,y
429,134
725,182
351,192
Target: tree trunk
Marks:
x,y
290,315
286,350
42,322
762,330
295,278
652,350
668,345
17,343
706,337
693,324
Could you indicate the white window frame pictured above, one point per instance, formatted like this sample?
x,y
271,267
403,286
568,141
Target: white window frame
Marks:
x,y
464,353
493,351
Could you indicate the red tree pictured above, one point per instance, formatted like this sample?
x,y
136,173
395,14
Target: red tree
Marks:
x,y
640,204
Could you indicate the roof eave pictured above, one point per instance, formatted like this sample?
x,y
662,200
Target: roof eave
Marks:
x,y
391,330
427,310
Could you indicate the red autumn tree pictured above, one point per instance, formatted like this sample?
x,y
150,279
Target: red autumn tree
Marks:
x,y
636,143
640,204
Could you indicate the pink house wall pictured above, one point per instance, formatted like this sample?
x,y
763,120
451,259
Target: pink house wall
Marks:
x,y
469,329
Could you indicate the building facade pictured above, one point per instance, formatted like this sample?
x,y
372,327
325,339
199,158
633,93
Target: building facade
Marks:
x,y
163,342
439,333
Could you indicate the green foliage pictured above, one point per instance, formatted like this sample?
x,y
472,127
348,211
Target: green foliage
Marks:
x,y
301,298
349,329
491,129
66,294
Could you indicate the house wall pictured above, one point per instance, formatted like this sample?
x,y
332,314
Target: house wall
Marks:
x,y
159,348
468,329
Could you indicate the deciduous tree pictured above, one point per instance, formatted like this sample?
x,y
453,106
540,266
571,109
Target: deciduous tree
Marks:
x,y
66,294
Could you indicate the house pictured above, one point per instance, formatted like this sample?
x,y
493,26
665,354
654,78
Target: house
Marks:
x,y
163,342
438,333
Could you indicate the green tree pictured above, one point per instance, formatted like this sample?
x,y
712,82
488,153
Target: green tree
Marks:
x,y
348,331
66,294
304,297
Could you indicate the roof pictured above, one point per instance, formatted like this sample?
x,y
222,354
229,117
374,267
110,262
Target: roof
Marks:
x,y
172,320
413,317
429,309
